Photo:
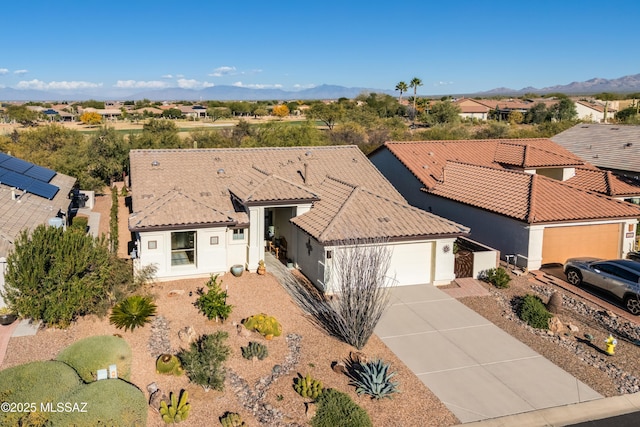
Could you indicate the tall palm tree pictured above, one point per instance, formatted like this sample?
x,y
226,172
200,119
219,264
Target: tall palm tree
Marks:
x,y
415,82
402,87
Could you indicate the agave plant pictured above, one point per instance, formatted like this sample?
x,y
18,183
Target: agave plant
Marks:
x,y
133,312
373,378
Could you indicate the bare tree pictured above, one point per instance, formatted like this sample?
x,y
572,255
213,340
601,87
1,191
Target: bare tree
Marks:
x,y
360,286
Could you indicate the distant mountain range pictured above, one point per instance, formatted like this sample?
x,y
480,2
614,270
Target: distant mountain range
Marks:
x,y
626,84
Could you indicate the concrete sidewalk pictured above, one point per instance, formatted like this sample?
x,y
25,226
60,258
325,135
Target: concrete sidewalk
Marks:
x,y
475,368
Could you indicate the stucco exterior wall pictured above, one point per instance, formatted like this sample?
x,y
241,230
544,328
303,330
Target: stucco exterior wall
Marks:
x,y
3,266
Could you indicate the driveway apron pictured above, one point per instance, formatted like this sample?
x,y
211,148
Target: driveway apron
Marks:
x,y
475,368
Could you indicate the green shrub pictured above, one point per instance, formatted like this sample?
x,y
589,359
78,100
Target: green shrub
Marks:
x,y
373,379
55,275
213,303
80,222
98,352
267,326
203,362
133,312
336,409
498,277
35,382
533,311
111,402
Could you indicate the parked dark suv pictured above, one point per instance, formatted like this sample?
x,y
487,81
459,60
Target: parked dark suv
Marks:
x,y
619,277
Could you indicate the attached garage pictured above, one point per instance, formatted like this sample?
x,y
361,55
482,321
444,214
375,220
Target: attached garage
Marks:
x,y
411,263
600,241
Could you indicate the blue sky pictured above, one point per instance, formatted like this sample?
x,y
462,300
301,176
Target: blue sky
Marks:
x,y
453,46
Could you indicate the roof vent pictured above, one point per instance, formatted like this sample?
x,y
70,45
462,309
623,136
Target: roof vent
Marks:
x,y
628,144
155,163
431,153
220,171
308,153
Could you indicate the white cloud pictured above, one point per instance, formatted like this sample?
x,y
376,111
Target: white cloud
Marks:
x,y
257,86
20,72
443,83
193,84
139,84
223,71
167,76
4,70
64,85
299,86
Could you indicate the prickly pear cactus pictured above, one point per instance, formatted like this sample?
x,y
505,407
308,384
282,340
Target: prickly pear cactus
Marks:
x,y
232,419
254,351
307,386
169,364
177,410
267,326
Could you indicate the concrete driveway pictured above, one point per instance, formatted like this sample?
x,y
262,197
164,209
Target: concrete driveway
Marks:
x,y
475,368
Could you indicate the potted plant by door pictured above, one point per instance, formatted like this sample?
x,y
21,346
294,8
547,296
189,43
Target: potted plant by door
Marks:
x,y
7,316
261,268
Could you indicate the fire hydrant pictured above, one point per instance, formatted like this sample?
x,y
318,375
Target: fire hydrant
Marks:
x,y
611,343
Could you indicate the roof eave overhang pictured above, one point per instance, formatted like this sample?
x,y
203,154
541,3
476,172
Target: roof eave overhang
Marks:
x,y
282,202
167,227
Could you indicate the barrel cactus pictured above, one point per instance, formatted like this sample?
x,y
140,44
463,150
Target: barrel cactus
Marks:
x,y
232,419
255,350
169,364
307,386
267,326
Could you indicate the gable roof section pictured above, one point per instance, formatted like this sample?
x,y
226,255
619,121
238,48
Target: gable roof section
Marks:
x,y
606,146
258,186
533,156
178,209
346,212
526,197
604,182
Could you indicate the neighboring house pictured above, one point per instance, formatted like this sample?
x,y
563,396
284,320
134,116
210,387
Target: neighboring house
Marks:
x,y
110,114
612,147
201,211
528,198
30,195
472,109
594,112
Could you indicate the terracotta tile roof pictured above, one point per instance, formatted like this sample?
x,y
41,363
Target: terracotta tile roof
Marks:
x,y
604,182
596,107
426,159
606,146
526,197
207,180
346,211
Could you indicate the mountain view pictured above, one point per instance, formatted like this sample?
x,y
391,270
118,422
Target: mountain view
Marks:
x,y
626,84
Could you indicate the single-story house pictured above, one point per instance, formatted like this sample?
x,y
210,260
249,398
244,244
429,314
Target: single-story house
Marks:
x,y
594,111
472,109
201,211
30,195
529,198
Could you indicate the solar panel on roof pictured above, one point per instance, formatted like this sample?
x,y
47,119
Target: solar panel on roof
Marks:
x,y
2,172
4,157
16,165
40,173
42,189
14,179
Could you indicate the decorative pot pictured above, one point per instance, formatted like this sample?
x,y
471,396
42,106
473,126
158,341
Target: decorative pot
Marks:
x,y
7,319
261,270
237,270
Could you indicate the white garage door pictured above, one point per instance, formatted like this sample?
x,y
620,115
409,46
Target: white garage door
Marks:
x,y
411,263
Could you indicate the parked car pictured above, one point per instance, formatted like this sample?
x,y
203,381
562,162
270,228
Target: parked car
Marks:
x,y
619,277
